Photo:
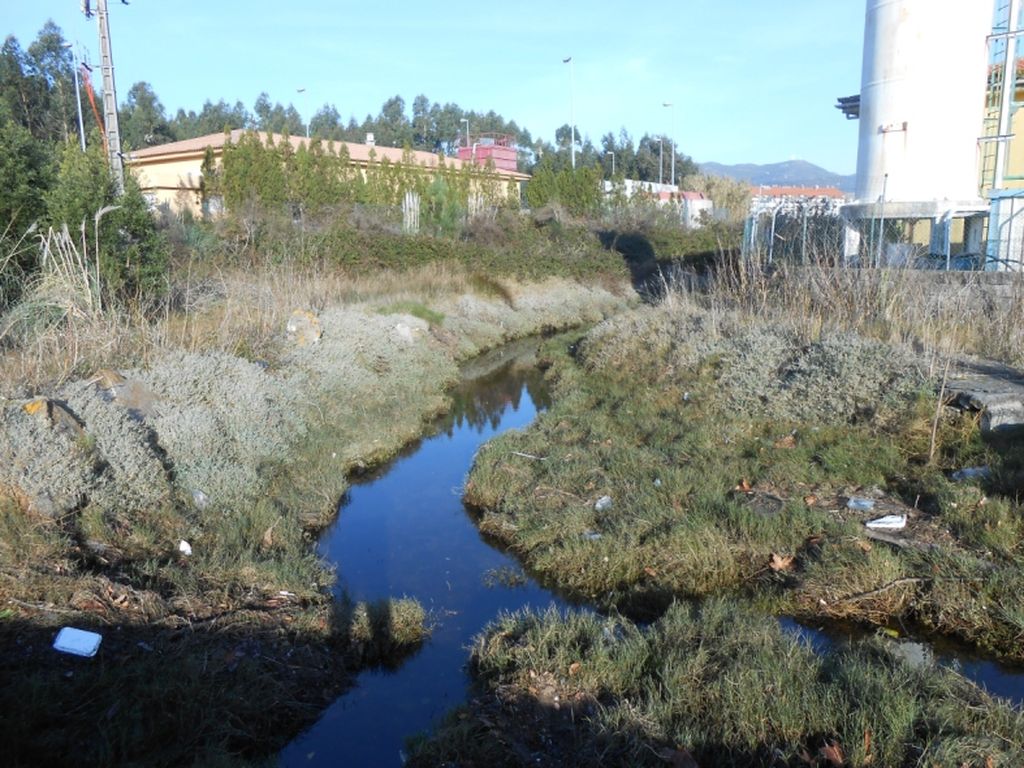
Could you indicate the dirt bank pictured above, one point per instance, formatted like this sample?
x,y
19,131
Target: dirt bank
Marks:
x,y
170,506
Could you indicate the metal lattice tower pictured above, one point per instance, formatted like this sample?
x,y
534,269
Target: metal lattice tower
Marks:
x,y
109,95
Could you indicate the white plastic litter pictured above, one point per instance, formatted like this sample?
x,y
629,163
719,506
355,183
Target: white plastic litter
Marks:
x,y
860,504
603,504
591,535
185,548
888,523
971,473
78,642
201,500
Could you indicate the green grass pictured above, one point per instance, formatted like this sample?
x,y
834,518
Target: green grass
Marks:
x,y
706,492
414,308
717,683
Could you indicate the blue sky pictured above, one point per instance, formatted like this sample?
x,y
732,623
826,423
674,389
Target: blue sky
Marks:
x,y
751,81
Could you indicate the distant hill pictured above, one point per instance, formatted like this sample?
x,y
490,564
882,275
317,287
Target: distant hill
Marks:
x,y
796,173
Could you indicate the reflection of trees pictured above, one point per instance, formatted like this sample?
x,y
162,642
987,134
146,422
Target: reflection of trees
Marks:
x,y
482,401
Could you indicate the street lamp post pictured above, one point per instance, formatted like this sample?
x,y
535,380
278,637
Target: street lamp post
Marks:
x,y
78,95
672,139
613,162
661,160
303,90
466,121
572,110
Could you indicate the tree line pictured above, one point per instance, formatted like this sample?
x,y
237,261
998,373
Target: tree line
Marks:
x,y
37,87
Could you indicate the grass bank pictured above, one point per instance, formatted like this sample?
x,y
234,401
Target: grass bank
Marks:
x,y
715,685
697,453
221,431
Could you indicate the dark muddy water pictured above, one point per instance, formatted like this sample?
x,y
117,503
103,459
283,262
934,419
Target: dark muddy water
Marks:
x,y
404,531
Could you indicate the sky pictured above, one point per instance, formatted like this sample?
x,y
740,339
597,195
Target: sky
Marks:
x,y
750,81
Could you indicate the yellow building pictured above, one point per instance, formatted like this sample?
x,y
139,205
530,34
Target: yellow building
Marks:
x,y
171,174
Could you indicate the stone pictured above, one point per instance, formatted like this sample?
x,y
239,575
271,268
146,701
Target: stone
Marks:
x,y
56,414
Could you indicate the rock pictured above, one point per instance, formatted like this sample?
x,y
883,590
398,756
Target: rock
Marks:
x,y
603,504
304,328
132,395
107,379
56,414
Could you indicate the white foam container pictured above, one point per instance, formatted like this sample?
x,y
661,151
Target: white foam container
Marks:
x,y
78,642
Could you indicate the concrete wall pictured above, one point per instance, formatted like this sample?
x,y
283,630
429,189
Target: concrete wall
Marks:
x,y
175,182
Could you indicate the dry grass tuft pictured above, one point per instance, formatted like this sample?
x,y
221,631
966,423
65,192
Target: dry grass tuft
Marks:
x,y
944,313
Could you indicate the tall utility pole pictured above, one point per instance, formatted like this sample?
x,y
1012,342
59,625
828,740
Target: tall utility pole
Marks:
x,y
672,139
661,160
301,91
572,109
109,93
78,95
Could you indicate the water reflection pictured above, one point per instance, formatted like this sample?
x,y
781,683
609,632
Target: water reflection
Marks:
x,y
1003,680
404,531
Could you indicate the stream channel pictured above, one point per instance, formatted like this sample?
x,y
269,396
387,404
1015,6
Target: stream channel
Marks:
x,y
402,530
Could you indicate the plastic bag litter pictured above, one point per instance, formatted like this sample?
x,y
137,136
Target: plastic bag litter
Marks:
x,y
888,523
591,535
78,642
185,548
603,504
971,473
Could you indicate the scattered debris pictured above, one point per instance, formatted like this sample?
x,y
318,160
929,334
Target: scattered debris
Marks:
x,y
77,642
603,504
591,535
304,328
201,500
505,576
860,504
779,563
971,473
185,548
888,523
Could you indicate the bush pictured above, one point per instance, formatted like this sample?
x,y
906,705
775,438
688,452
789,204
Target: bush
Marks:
x,y
132,254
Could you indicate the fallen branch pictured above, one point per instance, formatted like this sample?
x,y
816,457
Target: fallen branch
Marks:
x,y
549,489
880,590
41,607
